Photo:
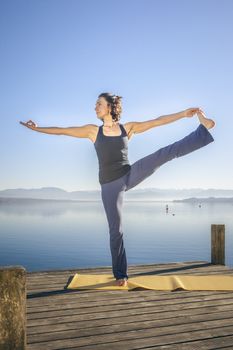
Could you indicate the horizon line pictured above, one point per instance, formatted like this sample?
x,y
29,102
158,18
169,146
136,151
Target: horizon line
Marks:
x,y
98,189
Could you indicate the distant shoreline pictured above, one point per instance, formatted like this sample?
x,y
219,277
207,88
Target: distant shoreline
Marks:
x,y
153,195
4,200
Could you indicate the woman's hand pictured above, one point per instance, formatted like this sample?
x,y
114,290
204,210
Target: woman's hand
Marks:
x,y
29,124
190,112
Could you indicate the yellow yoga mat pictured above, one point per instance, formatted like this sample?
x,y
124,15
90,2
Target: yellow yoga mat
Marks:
x,y
158,282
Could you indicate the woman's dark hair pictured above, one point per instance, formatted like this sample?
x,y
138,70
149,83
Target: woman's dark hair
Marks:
x,y
115,102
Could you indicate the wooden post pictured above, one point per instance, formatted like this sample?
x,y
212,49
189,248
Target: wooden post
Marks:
x,y
218,244
12,308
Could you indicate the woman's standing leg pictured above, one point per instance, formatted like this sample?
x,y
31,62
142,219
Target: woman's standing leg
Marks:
x,y
146,166
112,194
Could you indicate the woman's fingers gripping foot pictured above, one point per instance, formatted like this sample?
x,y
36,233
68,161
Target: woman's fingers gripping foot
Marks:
x,y
208,123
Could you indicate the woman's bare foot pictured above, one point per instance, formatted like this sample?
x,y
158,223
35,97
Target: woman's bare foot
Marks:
x,y
208,123
122,282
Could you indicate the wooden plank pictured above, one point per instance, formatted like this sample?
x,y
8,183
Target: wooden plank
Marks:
x,y
117,312
93,327
102,322
135,339
131,268
180,324
126,304
216,343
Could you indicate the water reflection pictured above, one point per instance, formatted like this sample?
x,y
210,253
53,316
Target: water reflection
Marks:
x,y
43,235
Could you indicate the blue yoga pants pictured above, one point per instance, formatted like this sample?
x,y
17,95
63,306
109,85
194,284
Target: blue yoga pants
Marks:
x,y
112,193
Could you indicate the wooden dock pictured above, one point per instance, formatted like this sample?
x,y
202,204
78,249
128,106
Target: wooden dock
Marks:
x,y
139,319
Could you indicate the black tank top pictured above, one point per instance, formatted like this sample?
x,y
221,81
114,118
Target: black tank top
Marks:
x,y
112,153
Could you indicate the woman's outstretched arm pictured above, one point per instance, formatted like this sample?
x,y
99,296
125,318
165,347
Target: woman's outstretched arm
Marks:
x,y
76,131
138,127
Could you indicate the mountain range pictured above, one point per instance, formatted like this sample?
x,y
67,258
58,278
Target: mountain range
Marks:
x,y
148,194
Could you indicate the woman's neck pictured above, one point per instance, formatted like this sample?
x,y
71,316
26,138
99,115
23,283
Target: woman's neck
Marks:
x,y
109,124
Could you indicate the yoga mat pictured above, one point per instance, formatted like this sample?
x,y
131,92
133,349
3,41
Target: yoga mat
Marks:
x,y
158,282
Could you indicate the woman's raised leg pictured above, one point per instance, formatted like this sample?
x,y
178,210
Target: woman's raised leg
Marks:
x,y
146,166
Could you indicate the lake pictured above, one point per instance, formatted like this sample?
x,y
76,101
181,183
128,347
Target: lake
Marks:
x,y
48,235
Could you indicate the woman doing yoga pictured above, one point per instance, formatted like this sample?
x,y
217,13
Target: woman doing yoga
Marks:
x,y
116,175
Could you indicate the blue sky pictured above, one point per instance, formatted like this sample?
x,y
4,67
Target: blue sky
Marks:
x,y
162,56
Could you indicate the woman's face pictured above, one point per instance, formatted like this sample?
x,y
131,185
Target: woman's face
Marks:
x,y
101,107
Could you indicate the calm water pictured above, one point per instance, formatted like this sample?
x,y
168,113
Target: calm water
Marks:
x,y
60,235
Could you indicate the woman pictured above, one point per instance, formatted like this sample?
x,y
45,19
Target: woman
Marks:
x,y
116,175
